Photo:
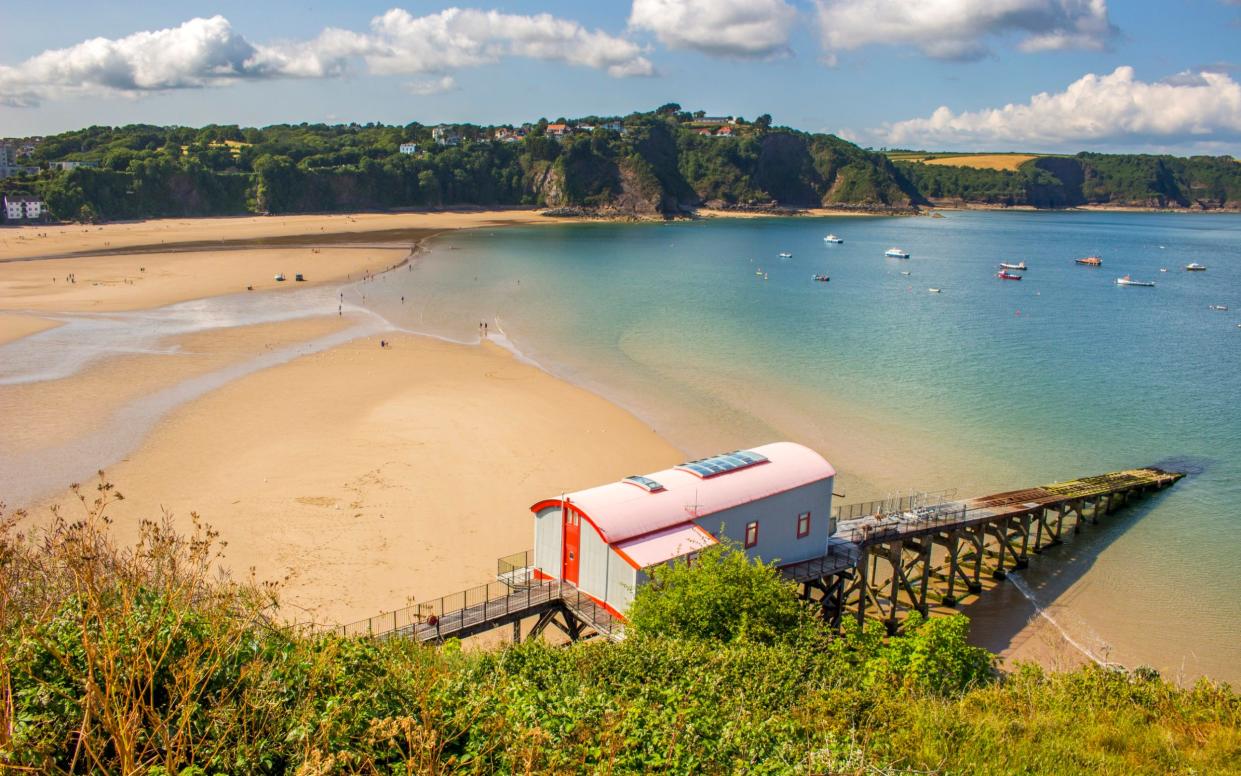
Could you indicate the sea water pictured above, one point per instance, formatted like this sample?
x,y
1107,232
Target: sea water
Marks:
x,y
704,331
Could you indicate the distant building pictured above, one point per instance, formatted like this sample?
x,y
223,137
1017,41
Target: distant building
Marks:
x,y
716,120
409,148
724,132
19,208
704,131
445,135
775,501
506,135
557,130
66,166
613,126
8,160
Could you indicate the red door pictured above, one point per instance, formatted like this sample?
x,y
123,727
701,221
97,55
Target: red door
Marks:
x,y
572,545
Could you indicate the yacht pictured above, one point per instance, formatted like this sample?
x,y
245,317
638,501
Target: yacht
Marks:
x,y
1091,261
1128,281
831,238
1195,267
785,255
896,253
1019,267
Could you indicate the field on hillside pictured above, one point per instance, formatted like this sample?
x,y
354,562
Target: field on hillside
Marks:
x,y
1008,161
982,161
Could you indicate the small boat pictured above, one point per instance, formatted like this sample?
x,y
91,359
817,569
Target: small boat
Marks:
x,y
279,277
1163,269
758,272
1128,281
1223,308
896,253
1195,267
905,272
1019,267
299,277
1091,261
821,278
831,238
785,255
935,290
1007,275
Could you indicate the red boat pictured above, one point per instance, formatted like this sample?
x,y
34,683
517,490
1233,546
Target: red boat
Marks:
x,y
1007,276
1091,261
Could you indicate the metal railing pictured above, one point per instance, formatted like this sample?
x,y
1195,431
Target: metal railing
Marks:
x,y
590,612
451,614
873,528
516,570
893,504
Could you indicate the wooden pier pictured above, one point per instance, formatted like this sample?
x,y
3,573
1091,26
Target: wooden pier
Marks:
x,y
886,560
892,562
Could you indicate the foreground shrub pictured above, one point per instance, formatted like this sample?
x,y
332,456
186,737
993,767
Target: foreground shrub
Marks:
x,y
143,660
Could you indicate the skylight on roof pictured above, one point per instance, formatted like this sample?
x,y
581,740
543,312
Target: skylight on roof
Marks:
x,y
646,483
722,464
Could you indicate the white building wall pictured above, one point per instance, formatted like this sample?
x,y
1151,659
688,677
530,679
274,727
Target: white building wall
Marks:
x,y
777,523
622,580
592,570
548,528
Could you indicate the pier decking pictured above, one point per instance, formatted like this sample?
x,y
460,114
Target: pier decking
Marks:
x,y
886,560
895,561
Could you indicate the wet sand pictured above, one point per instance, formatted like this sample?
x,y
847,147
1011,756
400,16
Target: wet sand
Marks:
x,y
370,475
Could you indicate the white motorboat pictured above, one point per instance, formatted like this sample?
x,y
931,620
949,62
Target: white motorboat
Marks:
x,y
1195,267
831,238
279,277
896,253
935,290
785,255
1128,281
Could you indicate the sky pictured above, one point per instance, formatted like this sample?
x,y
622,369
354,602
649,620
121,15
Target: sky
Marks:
x,y
995,75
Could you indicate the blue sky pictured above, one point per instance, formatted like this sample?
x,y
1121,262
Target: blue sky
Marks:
x,y
930,74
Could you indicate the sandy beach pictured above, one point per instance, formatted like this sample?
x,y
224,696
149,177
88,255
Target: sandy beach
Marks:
x,y
363,477
367,475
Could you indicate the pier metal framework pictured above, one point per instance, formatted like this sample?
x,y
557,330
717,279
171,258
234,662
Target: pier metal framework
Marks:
x,y
887,559
894,562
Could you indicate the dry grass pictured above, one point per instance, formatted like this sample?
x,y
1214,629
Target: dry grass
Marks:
x,y
982,161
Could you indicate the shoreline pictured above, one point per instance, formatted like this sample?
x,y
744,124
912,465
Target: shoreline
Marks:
x,y
194,407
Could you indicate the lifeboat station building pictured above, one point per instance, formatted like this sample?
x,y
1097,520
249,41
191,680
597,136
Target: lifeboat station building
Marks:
x,y
773,500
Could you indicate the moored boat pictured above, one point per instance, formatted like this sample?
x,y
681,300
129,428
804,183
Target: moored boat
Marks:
x,y
785,255
1195,267
279,277
1223,308
831,238
821,278
1091,261
935,290
1128,281
1019,267
1007,275
896,253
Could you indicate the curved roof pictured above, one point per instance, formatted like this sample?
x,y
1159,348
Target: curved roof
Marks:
x,y
625,509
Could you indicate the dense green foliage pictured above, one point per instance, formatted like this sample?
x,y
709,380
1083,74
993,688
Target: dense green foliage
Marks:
x,y
141,661
652,163
1129,180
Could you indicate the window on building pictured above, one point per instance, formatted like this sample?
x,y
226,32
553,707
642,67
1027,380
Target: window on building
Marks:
x,y
751,534
803,525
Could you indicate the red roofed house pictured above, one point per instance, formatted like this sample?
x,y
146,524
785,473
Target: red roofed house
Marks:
x,y
775,500
724,132
557,130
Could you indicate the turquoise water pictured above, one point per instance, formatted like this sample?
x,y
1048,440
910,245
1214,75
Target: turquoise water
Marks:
x,y
989,385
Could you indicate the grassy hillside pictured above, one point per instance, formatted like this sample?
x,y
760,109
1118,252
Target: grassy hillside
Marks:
x,y
1122,180
659,162
141,660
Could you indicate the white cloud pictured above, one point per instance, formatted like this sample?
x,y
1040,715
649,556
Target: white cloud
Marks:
x,y
205,52
1201,108
199,52
960,29
736,28
431,86
403,43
